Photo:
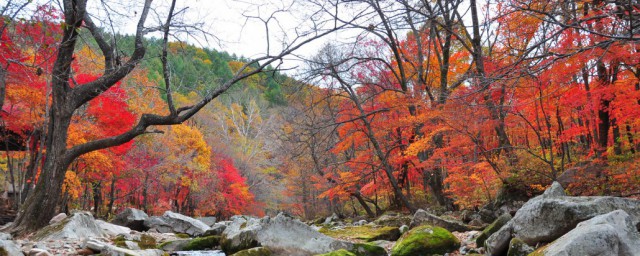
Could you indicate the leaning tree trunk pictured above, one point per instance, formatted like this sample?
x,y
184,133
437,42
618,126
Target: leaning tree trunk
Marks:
x,y
41,204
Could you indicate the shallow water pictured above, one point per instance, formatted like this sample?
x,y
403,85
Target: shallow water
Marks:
x,y
199,253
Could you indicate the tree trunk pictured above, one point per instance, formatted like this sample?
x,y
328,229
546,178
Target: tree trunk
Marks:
x,y
112,196
364,205
97,197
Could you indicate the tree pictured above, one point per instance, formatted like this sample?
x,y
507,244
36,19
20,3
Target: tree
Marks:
x,y
67,97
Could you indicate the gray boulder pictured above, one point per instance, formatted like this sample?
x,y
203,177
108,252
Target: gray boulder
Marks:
x,y
111,250
207,220
282,235
393,220
422,217
112,229
10,247
79,225
519,248
552,214
613,233
131,218
215,230
172,222
58,218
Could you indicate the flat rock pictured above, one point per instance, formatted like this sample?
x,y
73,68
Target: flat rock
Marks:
x,y
112,229
172,222
282,235
80,225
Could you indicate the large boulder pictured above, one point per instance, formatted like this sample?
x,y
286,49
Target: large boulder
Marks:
x,y
209,221
111,250
425,240
613,233
393,220
80,225
282,235
553,214
422,217
172,222
112,229
131,218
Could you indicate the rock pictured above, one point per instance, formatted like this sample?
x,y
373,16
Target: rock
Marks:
x,y
359,250
257,251
111,229
5,236
283,235
215,230
330,219
489,230
79,225
613,233
403,229
175,245
209,221
360,223
425,240
476,223
365,233
58,218
132,245
107,249
518,248
9,248
39,252
551,215
556,190
132,218
202,243
85,251
422,217
392,220
172,222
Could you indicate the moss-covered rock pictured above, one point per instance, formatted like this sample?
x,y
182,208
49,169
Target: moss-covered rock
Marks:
x,y
202,243
364,233
368,249
425,240
173,245
341,252
257,251
489,230
393,220
147,242
518,248
242,241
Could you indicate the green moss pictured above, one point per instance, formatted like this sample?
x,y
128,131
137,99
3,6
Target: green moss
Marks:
x,y
120,241
518,247
368,249
202,243
181,235
341,252
425,240
258,251
147,242
246,242
489,230
364,233
3,252
243,225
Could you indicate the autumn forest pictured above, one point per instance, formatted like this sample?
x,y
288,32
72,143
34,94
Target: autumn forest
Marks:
x,y
447,105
